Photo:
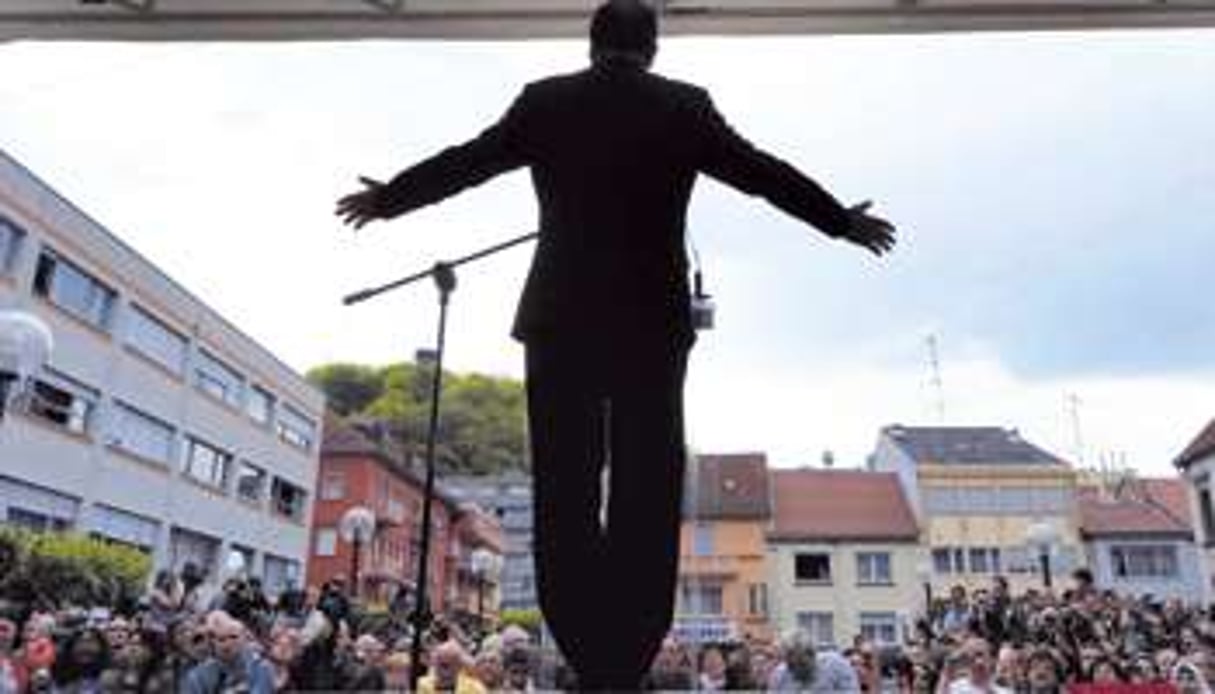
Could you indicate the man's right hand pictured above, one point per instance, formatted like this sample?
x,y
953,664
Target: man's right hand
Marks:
x,y
872,233
362,206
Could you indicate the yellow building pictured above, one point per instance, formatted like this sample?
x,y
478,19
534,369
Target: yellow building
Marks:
x,y
842,556
723,592
988,503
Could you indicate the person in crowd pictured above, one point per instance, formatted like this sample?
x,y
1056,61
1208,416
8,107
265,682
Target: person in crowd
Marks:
x,y
518,669
955,616
13,677
1044,672
712,669
449,672
284,651
164,601
85,654
366,670
396,670
233,665
487,666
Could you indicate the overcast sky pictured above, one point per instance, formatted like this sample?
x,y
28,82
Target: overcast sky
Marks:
x,y
1052,191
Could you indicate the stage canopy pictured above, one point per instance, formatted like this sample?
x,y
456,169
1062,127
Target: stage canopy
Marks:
x,y
285,20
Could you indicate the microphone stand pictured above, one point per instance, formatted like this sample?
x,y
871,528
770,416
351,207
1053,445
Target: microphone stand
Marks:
x,y
443,273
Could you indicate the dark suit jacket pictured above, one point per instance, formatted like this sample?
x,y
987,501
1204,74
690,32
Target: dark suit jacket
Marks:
x,y
613,151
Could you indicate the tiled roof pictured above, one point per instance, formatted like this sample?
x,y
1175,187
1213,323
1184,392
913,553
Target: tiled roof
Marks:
x,y
968,446
728,486
369,437
1135,507
840,505
1202,446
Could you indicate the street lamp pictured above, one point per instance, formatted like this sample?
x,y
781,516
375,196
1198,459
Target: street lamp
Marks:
x,y
1042,535
25,345
357,526
484,563
923,570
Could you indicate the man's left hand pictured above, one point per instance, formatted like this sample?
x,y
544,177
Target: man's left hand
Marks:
x,y
872,233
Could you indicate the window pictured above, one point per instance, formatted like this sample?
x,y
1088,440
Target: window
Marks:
x,y
702,540
280,574
142,434
123,527
942,561
217,379
206,464
37,522
63,401
333,486
1144,561
326,542
812,568
873,568
1207,510
701,599
250,482
984,560
880,627
295,428
757,598
153,339
819,626
10,241
287,499
73,289
260,405
189,547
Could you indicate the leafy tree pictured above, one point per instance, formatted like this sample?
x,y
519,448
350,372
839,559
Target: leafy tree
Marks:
x,y
481,424
349,387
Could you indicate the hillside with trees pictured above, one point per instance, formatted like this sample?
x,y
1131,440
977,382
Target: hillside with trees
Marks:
x,y
482,419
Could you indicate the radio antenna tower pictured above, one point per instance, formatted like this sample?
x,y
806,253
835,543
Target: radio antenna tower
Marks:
x,y
1073,410
938,388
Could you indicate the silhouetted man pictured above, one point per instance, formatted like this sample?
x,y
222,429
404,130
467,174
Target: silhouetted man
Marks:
x,y
605,317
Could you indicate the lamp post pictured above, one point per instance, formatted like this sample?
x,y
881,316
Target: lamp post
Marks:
x,y
357,526
923,570
25,345
483,564
1042,535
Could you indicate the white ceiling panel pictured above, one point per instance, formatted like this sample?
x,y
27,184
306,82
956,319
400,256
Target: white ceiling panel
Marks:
x,y
285,20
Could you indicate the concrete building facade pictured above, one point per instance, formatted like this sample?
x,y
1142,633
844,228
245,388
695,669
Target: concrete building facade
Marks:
x,y
157,423
509,497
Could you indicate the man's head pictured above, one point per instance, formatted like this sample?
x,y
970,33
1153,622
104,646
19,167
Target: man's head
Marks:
x,y
624,31
447,661
227,635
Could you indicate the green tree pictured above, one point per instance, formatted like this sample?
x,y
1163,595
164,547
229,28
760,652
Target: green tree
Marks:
x,y
481,424
349,387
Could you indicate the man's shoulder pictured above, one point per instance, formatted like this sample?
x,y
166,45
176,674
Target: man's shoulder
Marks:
x,y
581,79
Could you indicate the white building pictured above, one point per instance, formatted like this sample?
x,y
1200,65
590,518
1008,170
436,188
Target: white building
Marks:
x,y
156,423
1197,466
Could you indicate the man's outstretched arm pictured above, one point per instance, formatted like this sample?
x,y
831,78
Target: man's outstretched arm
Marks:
x,y
730,158
497,150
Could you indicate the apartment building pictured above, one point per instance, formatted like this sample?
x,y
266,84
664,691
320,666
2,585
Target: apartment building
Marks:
x,y
1139,539
1196,463
723,585
979,494
843,553
157,423
509,497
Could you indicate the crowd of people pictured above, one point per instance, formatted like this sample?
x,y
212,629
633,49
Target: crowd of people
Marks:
x,y
1076,639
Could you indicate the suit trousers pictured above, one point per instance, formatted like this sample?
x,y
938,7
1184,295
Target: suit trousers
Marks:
x,y
607,567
